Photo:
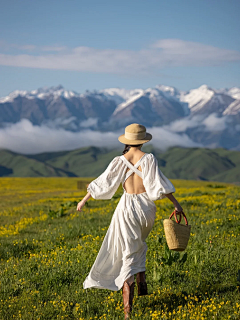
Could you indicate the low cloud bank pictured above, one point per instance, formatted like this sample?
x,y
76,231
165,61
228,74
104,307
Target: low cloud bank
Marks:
x,y
210,123
26,138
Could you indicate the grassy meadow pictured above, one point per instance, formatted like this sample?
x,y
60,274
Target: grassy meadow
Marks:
x,y
47,249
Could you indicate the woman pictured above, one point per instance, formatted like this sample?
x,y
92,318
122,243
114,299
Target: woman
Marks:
x,y
123,251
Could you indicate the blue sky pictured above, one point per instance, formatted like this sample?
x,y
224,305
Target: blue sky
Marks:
x,y
98,44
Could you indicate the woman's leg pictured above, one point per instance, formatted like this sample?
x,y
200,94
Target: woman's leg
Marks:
x,y
141,283
130,280
128,294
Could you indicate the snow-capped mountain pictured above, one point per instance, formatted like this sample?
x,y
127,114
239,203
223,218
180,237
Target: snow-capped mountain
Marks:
x,y
233,108
151,107
110,107
114,108
41,93
233,92
206,100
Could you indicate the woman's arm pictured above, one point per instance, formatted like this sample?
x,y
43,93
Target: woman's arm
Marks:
x,y
83,201
174,201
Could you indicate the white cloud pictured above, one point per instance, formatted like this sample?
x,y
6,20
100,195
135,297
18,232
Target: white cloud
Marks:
x,y
214,123
70,123
8,46
89,122
163,53
195,52
210,123
181,125
26,138
164,138
30,47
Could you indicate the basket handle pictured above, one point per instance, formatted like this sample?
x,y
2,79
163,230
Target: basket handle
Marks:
x,y
175,212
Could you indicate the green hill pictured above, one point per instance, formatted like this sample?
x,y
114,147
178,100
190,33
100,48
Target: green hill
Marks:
x,y
176,163
17,165
195,163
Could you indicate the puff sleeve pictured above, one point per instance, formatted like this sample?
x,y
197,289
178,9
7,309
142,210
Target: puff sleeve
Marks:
x,y
108,182
154,181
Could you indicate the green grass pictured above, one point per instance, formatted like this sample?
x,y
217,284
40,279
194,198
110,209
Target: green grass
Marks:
x,y
47,249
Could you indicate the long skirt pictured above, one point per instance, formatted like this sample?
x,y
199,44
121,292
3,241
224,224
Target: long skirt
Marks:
x,y
123,250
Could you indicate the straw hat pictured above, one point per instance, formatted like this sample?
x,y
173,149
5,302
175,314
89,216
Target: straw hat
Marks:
x,y
135,134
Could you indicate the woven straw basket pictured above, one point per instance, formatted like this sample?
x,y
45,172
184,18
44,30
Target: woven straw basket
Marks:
x,y
177,235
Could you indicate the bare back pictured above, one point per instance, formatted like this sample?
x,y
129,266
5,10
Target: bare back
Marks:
x,y
134,184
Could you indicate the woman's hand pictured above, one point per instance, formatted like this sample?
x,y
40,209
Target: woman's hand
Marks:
x,y
178,208
83,201
80,205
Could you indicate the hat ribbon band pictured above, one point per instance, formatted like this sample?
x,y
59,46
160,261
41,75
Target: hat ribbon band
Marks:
x,y
135,136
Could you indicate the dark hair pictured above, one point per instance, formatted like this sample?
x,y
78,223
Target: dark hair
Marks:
x,y
128,146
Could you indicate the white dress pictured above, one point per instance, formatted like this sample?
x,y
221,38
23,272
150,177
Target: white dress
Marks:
x,y
123,251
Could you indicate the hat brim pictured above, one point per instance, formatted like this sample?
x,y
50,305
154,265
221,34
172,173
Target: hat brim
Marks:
x,y
122,139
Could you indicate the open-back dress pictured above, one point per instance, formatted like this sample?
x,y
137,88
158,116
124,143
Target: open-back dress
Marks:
x,y
123,250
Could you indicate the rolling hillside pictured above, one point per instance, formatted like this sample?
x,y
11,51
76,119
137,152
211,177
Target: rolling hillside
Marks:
x,y
176,163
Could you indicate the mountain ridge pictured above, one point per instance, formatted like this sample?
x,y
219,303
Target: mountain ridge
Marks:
x,y
176,163
211,116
